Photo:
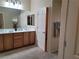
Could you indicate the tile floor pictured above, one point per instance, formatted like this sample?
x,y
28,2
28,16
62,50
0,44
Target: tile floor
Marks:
x,y
27,53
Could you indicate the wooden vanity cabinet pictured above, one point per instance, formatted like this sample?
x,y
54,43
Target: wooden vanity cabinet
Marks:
x,y
32,37
8,41
29,38
18,40
1,43
26,38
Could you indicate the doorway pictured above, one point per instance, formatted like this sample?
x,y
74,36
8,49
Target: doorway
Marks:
x,y
48,31
54,27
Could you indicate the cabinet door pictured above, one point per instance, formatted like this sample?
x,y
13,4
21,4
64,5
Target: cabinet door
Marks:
x,y
26,38
32,37
8,41
1,43
18,40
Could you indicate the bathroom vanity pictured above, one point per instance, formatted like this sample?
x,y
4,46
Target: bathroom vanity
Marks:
x,y
13,40
13,15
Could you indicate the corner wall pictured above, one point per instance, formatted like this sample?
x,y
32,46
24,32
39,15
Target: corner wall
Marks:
x,y
23,16
54,16
36,4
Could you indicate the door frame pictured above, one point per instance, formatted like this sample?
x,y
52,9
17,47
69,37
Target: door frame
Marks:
x,y
71,28
64,16
64,13
46,30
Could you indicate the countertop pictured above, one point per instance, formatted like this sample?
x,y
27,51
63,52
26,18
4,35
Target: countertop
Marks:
x,y
8,31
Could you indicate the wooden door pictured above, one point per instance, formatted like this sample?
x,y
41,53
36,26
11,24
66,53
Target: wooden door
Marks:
x,y
18,40
1,43
32,37
72,31
26,38
8,41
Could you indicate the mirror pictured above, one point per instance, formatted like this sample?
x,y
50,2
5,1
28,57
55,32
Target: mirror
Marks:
x,y
8,17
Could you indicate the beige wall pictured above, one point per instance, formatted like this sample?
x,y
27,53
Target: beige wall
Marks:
x,y
36,4
26,4
54,15
63,28
31,7
23,16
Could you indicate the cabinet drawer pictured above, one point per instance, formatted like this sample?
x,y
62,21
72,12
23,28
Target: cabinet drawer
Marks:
x,y
18,37
18,34
18,40
18,43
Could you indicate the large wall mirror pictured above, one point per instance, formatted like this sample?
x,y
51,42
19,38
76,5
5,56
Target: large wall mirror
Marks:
x,y
7,17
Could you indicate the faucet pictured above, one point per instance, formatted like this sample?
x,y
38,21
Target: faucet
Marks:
x,y
15,26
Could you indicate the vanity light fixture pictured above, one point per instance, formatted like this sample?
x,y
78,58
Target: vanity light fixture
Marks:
x,y
14,1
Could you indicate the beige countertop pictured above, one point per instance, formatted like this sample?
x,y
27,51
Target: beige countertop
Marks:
x,y
8,31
